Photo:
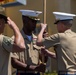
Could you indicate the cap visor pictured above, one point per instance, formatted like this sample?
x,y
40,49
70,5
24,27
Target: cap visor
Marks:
x,y
62,20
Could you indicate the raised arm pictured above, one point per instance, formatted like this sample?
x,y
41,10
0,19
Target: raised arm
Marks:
x,y
40,35
18,44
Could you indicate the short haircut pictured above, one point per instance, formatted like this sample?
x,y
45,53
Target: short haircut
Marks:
x,y
67,23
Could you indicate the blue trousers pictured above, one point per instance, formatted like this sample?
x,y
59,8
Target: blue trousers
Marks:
x,y
27,73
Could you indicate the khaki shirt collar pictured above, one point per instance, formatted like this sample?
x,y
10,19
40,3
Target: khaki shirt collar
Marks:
x,y
69,30
24,35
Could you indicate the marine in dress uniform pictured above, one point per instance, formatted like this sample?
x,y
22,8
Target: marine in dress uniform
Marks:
x,y
64,42
27,62
8,45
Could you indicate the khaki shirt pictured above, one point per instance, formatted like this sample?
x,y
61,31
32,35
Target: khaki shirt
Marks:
x,y
31,55
65,47
5,49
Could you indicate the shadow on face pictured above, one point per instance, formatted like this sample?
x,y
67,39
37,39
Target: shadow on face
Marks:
x,y
28,23
60,27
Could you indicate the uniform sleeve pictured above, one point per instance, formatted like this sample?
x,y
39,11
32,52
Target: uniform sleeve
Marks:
x,y
51,41
15,55
7,43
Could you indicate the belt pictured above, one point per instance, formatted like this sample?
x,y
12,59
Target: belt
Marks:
x,y
67,72
35,72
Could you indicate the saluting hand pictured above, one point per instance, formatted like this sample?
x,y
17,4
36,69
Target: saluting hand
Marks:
x,y
10,23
